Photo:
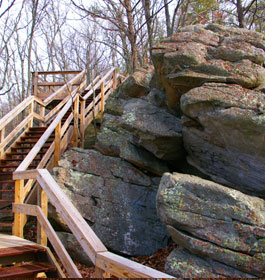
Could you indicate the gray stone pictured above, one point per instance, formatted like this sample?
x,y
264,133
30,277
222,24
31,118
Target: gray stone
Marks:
x,y
154,129
115,198
143,159
199,54
182,264
214,221
73,248
226,138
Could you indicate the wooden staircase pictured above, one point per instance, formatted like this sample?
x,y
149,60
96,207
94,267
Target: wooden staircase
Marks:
x,y
18,152
26,259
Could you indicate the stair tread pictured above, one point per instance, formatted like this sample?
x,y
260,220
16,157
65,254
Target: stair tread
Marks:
x,y
7,181
26,269
6,200
5,211
20,250
6,224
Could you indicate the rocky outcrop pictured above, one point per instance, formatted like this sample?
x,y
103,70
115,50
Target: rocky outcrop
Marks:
x,y
199,54
116,199
220,226
140,128
227,137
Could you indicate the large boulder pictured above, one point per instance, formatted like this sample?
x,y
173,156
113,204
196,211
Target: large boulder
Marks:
x,y
224,134
141,131
218,225
212,53
115,198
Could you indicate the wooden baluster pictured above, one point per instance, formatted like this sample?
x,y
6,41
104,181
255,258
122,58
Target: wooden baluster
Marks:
x,y
42,113
102,98
43,203
2,137
19,218
114,79
31,110
82,122
100,273
76,121
57,144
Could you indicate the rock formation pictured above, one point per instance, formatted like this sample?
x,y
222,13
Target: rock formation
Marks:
x,y
201,111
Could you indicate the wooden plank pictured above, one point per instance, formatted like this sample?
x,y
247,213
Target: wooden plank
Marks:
x,y
65,87
82,122
102,90
35,83
44,209
52,260
13,113
97,85
34,151
25,174
46,157
76,122
8,241
26,209
2,145
58,246
56,109
66,139
18,218
57,144
114,80
28,187
33,210
59,72
55,84
15,132
125,268
38,117
81,230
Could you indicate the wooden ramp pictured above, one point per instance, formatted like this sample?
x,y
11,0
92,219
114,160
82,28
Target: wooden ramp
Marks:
x,y
22,258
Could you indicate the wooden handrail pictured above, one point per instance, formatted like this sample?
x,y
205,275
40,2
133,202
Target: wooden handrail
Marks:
x,y
33,210
36,148
91,244
65,87
14,112
97,85
59,72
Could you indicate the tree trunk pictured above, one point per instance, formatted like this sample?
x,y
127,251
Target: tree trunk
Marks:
x,y
240,13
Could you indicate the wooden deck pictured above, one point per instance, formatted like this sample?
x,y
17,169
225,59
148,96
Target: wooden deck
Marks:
x,y
11,241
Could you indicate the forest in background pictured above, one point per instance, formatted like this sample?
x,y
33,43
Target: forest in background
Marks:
x,y
47,35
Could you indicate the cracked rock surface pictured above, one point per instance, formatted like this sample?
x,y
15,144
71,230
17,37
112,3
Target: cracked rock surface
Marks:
x,y
116,199
215,223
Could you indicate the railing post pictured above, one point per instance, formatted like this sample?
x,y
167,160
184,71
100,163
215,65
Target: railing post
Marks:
x,y
76,121
114,79
35,83
100,273
19,218
43,203
31,110
82,122
2,137
57,144
102,97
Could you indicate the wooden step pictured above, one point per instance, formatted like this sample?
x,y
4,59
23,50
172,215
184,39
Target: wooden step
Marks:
x,y
6,211
7,182
27,269
21,154
5,224
20,250
38,128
